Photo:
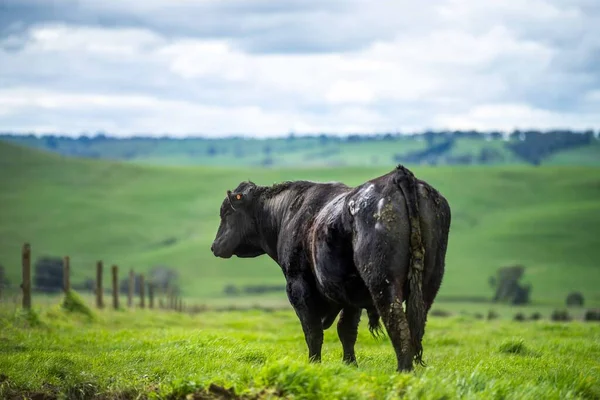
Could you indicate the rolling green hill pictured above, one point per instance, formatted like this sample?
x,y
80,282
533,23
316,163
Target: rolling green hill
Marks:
x,y
379,151
137,216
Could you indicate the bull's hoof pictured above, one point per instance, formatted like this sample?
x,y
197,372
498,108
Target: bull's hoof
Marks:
x,y
350,361
314,359
405,368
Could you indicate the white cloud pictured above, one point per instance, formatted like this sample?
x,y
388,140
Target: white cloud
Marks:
x,y
127,114
344,91
268,68
95,41
517,116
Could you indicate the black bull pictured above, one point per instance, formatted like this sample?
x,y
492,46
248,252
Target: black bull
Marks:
x,y
346,249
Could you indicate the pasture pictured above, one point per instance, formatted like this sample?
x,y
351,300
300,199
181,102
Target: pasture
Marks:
x,y
546,218
53,353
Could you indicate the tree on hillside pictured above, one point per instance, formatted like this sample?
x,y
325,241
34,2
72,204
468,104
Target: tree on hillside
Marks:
x,y
431,155
489,155
3,278
51,142
48,275
508,289
161,277
164,277
575,299
534,146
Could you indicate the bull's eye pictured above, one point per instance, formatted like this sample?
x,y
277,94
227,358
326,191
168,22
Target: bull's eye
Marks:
x,y
239,196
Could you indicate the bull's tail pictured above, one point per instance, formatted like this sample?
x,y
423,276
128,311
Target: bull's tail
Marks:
x,y
415,306
374,323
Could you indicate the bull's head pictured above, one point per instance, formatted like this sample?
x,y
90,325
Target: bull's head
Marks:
x,y
238,232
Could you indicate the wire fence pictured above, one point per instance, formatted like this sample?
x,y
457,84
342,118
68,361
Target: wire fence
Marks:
x,y
139,292
40,295
119,291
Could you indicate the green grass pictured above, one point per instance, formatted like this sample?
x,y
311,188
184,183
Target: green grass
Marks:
x,y
139,354
547,218
473,147
588,155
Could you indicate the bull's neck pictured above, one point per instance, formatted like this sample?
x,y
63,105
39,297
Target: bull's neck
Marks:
x,y
271,216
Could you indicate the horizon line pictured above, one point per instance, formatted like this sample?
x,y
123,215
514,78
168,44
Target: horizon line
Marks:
x,y
192,136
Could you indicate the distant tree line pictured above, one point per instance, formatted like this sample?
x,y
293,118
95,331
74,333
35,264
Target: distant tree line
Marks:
x,y
430,155
532,146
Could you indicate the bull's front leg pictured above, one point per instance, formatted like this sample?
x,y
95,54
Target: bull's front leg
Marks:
x,y
305,302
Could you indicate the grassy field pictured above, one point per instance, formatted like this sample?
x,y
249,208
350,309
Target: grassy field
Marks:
x,y
588,155
140,354
137,216
546,218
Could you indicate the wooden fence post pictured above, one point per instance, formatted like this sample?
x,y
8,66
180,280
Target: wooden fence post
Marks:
x,y
142,293
131,288
150,295
26,285
169,299
66,274
115,285
99,288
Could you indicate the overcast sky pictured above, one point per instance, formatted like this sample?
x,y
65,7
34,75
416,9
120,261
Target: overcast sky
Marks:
x,y
266,67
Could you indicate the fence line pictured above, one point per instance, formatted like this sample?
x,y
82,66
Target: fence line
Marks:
x,y
171,300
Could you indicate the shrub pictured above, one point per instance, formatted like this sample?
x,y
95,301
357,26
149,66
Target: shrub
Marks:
x,y
492,315
560,315
536,316
519,317
231,290
592,315
574,299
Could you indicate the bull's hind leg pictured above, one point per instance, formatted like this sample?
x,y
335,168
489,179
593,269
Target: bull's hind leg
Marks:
x,y
388,301
347,329
385,276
